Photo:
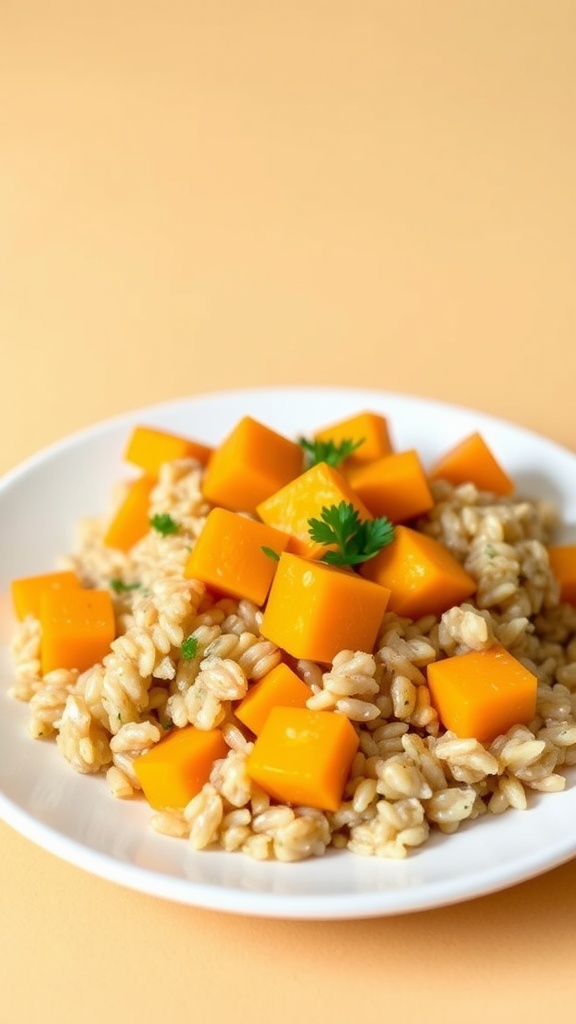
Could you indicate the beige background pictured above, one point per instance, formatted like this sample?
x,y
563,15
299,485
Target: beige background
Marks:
x,y
214,193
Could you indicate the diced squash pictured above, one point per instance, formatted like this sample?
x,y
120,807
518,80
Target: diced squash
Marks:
x,y
77,628
304,757
423,577
280,687
173,771
149,447
482,693
250,464
228,555
315,610
368,427
27,591
394,486
131,520
472,461
563,565
290,508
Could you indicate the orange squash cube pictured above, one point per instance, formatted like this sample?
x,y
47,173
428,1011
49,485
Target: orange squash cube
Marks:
x,y
77,627
394,486
482,693
472,461
280,687
149,447
315,610
304,757
423,577
173,771
249,465
368,427
27,591
290,508
228,555
131,520
563,564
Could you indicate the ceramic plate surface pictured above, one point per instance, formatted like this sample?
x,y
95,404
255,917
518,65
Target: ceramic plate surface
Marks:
x,y
75,818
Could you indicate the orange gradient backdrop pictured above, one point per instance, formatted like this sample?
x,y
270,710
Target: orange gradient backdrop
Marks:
x,y
201,195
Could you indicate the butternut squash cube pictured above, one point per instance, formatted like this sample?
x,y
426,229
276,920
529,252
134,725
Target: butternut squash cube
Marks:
x,y
149,447
131,520
173,771
27,591
394,486
304,757
472,461
228,555
368,427
482,693
250,464
563,565
280,687
290,508
423,577
77,628
315,610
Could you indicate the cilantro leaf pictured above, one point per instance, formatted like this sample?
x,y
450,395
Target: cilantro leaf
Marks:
x,y
189,648
164,524
354,541
120,587
271,553
331,452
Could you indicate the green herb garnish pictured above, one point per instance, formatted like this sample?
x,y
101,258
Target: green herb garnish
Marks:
x,y
331,452
271,553
164,524
355,541
120,587
189,648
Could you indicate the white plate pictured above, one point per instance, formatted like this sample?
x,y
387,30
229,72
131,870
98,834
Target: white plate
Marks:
x,y
75,818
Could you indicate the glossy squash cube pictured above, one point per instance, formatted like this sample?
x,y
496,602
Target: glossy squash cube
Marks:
x,y
315,610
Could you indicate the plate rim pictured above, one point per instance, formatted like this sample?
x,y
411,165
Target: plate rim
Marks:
x,y
265,904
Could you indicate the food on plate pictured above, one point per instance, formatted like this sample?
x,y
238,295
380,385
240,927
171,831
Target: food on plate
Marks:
x,y
563,565
280,687
303,756
251,463
483,693
422,576
394,486
77,626
291,507
362,438
172,772
315,610
472,461
230,555
131,521
27,592
286,646
149,448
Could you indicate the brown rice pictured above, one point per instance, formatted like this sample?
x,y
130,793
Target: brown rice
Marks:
x,y
410,777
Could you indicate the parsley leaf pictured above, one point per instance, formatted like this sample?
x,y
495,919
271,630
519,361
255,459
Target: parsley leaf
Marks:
x,y
355,541
189,648
331,452
271,553
164,524
120,587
